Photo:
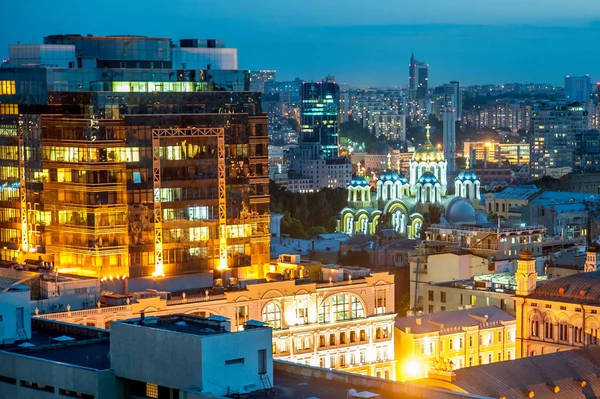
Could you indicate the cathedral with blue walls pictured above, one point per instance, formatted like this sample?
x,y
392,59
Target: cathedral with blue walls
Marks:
x,y
397,201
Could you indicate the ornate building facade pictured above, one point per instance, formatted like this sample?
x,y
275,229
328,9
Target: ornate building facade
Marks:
x,y
560,314
341,323
398,202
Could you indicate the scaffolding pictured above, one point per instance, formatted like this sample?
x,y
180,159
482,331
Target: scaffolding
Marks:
x,y
22,185
157,134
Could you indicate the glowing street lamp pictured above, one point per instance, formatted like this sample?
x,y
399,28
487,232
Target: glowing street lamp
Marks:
x,y
413,369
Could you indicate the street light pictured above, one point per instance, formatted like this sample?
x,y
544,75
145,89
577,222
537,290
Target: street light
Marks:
x,y
413,368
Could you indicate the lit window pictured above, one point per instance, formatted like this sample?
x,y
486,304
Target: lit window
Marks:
x,y
7,87
151,390
272,315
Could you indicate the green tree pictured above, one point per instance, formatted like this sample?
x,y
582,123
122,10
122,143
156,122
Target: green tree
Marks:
x,y
316,230
292,226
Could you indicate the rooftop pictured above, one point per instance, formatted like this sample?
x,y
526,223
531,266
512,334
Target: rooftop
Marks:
x,y
91,354
577,288
292,386
518,192
496,282
66,343
563,197
569,260
9,277
192,325
448,322
558,375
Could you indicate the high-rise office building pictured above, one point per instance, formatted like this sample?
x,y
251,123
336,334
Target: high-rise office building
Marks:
x,y
259,78
451,112
453,97
449,137
578,88
557,138
418,78
318,118
316,163
131,156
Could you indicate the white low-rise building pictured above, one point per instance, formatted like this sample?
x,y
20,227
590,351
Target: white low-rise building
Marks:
x,y
15,311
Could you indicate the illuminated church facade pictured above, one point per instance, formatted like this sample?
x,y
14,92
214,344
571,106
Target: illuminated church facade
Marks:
x,y
398,202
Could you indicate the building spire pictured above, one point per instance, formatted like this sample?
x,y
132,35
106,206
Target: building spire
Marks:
x,y
427,133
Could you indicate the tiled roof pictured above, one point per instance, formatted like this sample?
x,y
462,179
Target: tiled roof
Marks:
x,y
445,322
579,288
359,181
467,175
428,177
538,374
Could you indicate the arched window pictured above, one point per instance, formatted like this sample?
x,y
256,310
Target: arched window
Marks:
x,y
549,330
341,307
563,332
272,315
535,328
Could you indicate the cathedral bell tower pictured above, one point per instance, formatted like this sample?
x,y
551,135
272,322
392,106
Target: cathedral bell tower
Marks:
x,y
526,275
591,258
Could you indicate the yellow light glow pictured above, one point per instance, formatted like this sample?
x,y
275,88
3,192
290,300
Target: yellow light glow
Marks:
x,y
158,270
413,368
222,264
78,271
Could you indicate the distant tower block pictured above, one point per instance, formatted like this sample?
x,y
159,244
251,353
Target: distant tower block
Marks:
x,y
450,137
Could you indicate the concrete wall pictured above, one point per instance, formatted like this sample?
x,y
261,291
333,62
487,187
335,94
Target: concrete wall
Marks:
x,y
217,349
101,384
184,361
10,301
386,388
133,346
449,266
456,297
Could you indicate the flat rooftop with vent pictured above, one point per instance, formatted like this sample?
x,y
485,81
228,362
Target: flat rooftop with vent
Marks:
x,y
172,356
191,354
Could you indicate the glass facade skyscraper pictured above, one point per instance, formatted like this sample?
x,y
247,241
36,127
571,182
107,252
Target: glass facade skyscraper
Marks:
x,y
418,78
132,156
319,118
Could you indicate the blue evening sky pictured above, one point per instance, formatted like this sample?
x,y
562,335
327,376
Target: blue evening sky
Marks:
x,y
360,42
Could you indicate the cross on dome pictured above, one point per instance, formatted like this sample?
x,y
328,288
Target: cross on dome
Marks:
x,y
358,168
389,161
427,131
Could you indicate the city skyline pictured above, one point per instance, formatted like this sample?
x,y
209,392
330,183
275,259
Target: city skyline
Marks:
x,y
483,44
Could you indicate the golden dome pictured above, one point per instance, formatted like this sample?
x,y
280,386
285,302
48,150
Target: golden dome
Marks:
x,y
427,152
